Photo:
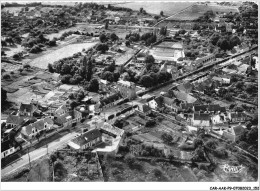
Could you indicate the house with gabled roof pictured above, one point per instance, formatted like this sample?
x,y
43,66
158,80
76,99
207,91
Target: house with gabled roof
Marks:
x,y
237,116
185,87
111,130
32,129
27,110
171,104
201,119
86,140
64,120
144,108
234,133
209,108
14,121
184,97
186,106
108,102
7,148
221,80
156,103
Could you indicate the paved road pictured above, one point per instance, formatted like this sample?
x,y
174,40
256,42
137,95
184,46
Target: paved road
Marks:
x,y
24,160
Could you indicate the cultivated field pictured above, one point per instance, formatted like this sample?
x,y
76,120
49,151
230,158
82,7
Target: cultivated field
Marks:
x,y
196,11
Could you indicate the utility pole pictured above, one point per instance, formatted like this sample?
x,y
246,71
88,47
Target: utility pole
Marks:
x,y
29,157
47,148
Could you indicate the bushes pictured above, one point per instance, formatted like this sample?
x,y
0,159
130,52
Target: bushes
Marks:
x,y
35,49
212,144
102,47
221,152
130,159
151,151
59,170
186,147
167,138
123,148
150,123
6,76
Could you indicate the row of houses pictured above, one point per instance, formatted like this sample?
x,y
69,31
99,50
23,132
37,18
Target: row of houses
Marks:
x,y
30,126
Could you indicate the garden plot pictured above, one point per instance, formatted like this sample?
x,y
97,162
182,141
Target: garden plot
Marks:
x,y
119,170
9,67
187,174
147,137
23,95
81,167
136,120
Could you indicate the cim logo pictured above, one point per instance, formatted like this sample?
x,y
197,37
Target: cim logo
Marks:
x,y
232,169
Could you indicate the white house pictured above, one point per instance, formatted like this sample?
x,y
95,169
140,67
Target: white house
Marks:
x,y
218,119
234,133
156,103
87,140
32,129
205,59
7,148
222,80
201,119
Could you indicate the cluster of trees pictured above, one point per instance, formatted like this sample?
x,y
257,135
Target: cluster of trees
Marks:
x,y
142,11
102,47
224,93
133,37
163,30
151,151
149,38
105,37
3,96
226,42
150,123
250,136
206,17
110,74
36,41
167,138
74,73
152,79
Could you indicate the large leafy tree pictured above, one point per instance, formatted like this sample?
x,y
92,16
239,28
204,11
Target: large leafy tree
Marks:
x,y
89,70
108,76
146,81
93,85
3,96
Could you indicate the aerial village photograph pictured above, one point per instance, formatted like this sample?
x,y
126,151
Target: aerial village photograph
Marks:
x,y
129,91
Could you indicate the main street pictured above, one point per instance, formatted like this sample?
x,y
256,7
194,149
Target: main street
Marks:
x,y
24,160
